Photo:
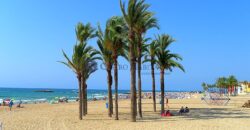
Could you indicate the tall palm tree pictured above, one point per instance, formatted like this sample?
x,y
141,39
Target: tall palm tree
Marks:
x,y
166,60
139,53
106,54
132,15
83,34
89,67
76,67
150,57
82,64
117,31
146,22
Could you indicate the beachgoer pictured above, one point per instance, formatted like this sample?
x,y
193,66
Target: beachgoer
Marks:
x,y
166,113
107,105
181,110
11,104
167,103
186,110
19,104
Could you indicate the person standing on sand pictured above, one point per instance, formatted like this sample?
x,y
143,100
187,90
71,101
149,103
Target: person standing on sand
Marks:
x,y
11,104
167,103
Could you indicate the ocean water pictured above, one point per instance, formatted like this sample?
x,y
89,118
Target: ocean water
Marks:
x,y
30,94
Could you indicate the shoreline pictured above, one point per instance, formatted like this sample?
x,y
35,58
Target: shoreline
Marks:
x,y
98,96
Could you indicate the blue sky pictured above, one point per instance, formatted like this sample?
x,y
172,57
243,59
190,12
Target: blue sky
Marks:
x,y
212,36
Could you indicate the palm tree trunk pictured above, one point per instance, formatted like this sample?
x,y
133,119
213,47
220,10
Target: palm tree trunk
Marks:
x,y
83,95
109,79
116,88
234,90
153,84
111,103
139,77
86,99
80,97
162,90
231,92
132,76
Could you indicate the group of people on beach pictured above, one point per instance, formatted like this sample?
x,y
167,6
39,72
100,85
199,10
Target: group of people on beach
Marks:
x,y
167,112
10,104
183,110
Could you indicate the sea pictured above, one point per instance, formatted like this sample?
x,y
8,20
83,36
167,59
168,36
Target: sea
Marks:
x,y
31,95
35,94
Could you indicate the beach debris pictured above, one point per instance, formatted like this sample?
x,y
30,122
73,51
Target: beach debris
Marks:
x,y
246,104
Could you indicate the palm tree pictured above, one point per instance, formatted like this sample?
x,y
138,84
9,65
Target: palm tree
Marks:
x,y
117,32
146,22
205,86
89,67
76,67
82,64
221,83
151,50
133,15
166,60
106,54
83,34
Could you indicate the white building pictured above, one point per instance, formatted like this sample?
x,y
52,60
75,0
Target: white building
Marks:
x,y
243,88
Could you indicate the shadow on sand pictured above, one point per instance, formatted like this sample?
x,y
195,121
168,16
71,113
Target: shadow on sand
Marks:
x,y
194,114
215,113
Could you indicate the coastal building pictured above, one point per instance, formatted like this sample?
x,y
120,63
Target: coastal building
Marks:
x,y
243,88
248,88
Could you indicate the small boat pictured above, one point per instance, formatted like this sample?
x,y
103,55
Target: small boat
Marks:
x,y
44,91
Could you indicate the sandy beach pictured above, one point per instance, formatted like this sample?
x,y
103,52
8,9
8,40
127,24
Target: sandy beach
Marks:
x,y
65,116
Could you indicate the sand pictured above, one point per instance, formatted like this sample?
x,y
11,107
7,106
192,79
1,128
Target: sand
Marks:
x,y
65,116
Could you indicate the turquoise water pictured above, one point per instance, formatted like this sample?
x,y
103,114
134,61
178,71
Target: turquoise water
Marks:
x,y
30,94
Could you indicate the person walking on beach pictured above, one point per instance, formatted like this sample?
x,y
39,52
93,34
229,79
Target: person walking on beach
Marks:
x,y
11,104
